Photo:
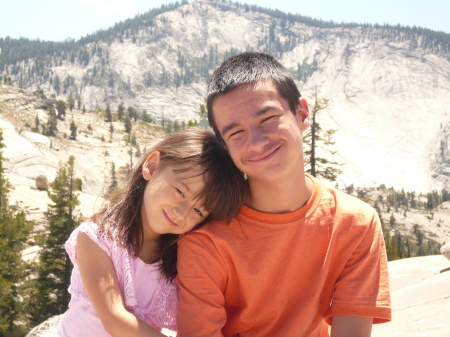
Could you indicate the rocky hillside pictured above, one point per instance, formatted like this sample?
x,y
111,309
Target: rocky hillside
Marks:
x,y
29,153
417,223
388,86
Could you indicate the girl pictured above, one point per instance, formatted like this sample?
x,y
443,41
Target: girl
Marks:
x,y
125,257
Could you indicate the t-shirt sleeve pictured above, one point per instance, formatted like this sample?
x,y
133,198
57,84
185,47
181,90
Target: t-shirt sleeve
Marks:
x,y
363,287
201,280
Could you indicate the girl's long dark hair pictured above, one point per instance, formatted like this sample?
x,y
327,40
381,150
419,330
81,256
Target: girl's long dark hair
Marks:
x,y
223,194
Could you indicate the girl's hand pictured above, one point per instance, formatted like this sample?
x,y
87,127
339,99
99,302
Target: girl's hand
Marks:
x,y
100,281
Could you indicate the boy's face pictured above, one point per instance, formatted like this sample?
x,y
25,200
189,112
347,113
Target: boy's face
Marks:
x,y
263,137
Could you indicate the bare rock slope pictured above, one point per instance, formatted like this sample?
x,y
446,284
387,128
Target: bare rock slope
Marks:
x,y
420,298
29,154
389,93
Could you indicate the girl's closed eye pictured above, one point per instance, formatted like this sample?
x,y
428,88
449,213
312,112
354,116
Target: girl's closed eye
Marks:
x,y
180,192
198,212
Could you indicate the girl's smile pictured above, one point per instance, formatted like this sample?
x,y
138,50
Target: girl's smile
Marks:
x,y
171,223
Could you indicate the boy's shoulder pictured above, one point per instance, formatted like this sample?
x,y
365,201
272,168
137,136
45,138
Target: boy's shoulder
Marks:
x,y
346,209
342,204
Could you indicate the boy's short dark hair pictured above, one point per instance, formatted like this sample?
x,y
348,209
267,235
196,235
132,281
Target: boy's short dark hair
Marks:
x,y
250,67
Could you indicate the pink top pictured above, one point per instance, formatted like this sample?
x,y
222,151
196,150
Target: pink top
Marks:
x,y
145,291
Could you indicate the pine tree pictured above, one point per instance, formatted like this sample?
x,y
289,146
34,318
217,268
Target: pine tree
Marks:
x,y
145,117
73,131
138,151
318,140
61,107
111,131
52,297
132,113
203,113
108,113
13,231
56,84
176,125
169,127
127,124
71,102
133,140
78,101
113,178
120,111
130,152
51,127
36,124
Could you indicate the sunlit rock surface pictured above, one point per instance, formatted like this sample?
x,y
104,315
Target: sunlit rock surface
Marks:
x,y
420,298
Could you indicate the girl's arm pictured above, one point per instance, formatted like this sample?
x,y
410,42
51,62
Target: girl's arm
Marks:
x,y
100,281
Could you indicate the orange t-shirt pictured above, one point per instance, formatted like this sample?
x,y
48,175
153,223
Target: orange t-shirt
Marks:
x,y
284,274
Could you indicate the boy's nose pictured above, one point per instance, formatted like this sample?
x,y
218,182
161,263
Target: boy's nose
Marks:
x,y
256,140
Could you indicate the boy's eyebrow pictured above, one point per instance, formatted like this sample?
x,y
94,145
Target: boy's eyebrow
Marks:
x,y
228,127
264,110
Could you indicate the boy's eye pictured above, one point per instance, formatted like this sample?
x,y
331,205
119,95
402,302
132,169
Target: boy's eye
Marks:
x,y
198,212
179,192
268,118
234,133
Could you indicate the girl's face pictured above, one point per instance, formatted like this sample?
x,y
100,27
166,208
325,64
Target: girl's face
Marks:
x,y
169,204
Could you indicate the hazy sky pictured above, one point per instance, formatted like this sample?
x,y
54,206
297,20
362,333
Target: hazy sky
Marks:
x,y
58,19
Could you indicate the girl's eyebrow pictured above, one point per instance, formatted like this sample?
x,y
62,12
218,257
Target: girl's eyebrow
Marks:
x,y
186,186
180,181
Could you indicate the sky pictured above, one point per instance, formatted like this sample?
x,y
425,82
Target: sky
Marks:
x,y
56,20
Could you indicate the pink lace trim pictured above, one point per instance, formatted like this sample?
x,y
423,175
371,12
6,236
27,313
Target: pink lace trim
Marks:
x,y
163,307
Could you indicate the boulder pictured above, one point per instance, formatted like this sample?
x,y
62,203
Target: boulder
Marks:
x,y
46,329
31,253
41,182
445,250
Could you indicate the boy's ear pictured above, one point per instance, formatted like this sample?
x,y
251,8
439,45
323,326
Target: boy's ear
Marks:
x,y
303,113
151,164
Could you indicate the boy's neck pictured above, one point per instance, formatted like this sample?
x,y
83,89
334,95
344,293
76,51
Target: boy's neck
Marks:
x,y
279,196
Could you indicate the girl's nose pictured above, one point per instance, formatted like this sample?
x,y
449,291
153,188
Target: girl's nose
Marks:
x,y
182,209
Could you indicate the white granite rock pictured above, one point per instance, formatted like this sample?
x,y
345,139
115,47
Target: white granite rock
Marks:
x,y
445,250
46,329
49,328
420,298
